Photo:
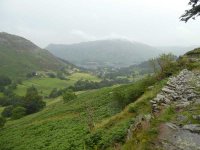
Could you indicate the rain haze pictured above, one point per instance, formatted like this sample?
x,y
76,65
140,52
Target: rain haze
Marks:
x,y
154,22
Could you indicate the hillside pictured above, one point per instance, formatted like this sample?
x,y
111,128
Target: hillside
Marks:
x,y
117,53
148,114
194,53
19,56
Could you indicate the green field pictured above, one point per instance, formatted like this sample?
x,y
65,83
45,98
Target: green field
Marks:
x,y
45,84
85,76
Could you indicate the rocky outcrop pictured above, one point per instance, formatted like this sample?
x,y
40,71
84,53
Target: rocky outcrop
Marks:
x,y
177,91
174,137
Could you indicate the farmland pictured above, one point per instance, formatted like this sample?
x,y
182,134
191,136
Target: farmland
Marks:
x,y
46,84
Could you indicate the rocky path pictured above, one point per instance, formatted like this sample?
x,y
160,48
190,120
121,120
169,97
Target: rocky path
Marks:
x,y
180,92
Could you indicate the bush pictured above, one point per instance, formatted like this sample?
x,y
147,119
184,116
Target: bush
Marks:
x,y
2,122
33,101
7,112
18,112
68,96
127,94
12,100
120,98
93,140
51,75
55,93
4,81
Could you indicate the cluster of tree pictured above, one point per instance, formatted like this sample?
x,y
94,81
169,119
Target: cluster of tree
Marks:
x,y
87,85
17,107
67,94
31,74
7,86
164,66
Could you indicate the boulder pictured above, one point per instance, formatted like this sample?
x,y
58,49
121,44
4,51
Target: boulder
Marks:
x,y
196,117
194,128
166,90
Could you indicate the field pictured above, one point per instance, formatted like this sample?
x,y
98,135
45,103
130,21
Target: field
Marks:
x,y
85,76
45,84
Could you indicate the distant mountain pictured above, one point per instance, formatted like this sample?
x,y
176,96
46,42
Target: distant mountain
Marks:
x,y
19,56
118,53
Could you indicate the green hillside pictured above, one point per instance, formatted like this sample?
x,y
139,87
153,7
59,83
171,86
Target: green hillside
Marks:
x,y
19,56
194,53
64,126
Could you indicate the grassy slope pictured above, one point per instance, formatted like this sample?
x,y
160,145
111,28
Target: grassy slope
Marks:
x,y
146,139
63,126
47,84
58,126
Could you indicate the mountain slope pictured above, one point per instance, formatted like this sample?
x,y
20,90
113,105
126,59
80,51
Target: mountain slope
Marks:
x,y
104,52
19,56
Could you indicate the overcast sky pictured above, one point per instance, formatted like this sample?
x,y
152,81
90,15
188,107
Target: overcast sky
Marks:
x,y
154,22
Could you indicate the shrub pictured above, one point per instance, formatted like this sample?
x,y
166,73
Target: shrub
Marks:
x,y
33,101
2,122
93,140
4,81
132,109
51,75
120,98
55,93
127,94
7,112
68,96
18,112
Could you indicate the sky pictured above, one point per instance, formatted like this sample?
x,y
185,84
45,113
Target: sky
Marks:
x,y
154,22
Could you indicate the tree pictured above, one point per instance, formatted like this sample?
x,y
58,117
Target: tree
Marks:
x,y
33,101
7,112
18,112
2,121
153,64
165,60
68,96
193,12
